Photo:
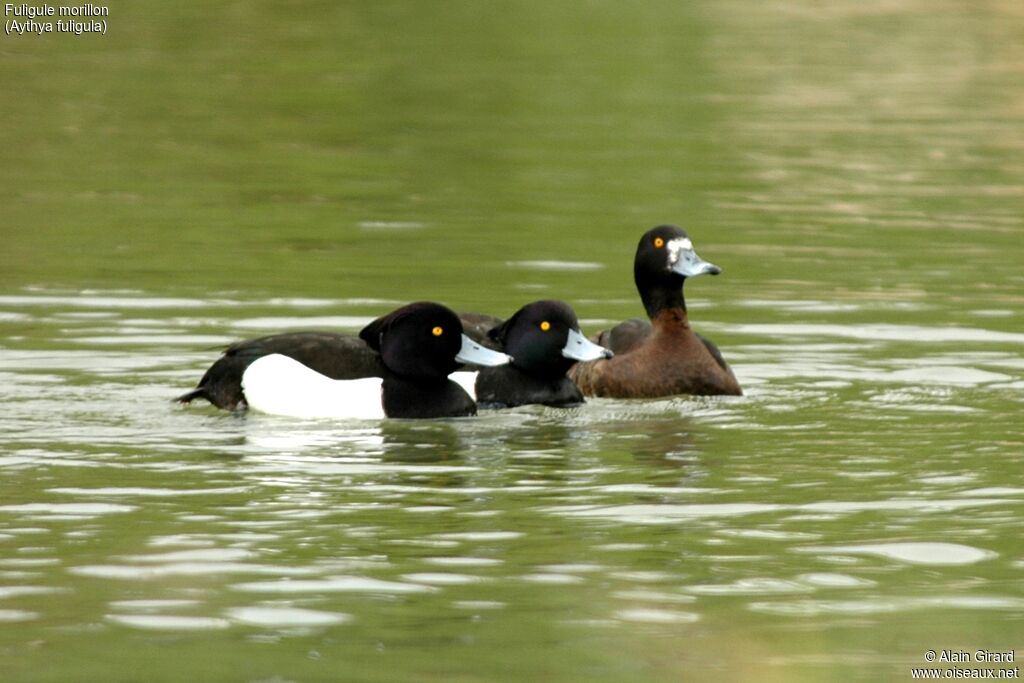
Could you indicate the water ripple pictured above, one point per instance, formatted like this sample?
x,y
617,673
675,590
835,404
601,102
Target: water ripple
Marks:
x,y
668,513
67,510
163,622
813,608
285,617
13,615
911,553
148,492
134,573
334,584
877,332
656,616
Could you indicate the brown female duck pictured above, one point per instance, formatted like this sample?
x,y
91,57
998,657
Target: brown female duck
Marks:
x,y
664,357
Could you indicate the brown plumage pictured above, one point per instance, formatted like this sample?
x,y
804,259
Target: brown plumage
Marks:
x,y
671,360
667,357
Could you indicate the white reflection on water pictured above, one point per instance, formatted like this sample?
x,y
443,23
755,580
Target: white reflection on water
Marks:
x,y
94,302
391,225
12,615
147,492
285,617
482,535
752,586
152,605
671,513
334,584
874,332
442,578
478,604
911,553
324,322
135,573
68,510
555,265
155,340
552,579
813,608
656,616
200,555
163,622
132,299
18,591
463,561
833,580
277,435
641,595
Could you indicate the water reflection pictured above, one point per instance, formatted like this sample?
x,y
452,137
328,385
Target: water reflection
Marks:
x,y
667,439
334,584
913,553
277,617
538,434
413,442
290,437
817,608
167,622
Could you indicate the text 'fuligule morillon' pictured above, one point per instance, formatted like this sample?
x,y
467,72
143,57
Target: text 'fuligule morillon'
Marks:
x,y
32,11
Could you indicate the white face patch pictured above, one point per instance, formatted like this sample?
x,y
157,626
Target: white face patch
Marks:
x,y
682,259
679,244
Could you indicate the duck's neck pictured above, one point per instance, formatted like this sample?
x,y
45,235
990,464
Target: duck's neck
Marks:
x,y
671,319
664,295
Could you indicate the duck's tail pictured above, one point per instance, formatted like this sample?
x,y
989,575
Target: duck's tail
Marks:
x,y
198,392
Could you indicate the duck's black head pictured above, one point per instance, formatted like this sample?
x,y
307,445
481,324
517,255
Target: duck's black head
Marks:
x,y
424,341
664,259
544,339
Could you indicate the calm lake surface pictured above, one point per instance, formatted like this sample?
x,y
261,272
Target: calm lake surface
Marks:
x,y
209,173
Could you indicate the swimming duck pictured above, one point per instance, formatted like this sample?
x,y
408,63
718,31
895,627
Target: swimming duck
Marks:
x,y
664,357
544,340
398,367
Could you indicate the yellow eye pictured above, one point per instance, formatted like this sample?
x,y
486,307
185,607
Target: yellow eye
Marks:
x,y
437,331
658,242
545,326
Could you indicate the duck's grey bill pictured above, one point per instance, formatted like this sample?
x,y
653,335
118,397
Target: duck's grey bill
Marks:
x,y
471,352
578,347
684,260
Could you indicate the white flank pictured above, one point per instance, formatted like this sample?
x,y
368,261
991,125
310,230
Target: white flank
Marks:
x,y
466,380
280,385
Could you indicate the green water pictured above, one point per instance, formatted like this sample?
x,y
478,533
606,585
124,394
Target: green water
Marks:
x,y
202,174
